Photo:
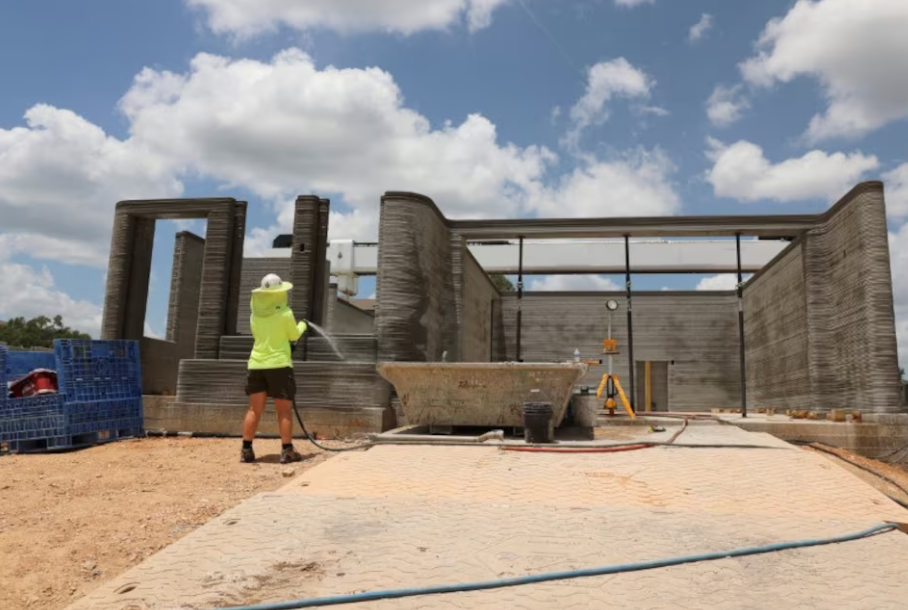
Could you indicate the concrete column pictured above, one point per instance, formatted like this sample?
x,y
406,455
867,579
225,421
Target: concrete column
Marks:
x,y
236,268
322,274
304,256
118,271
139,276
215,283
185,283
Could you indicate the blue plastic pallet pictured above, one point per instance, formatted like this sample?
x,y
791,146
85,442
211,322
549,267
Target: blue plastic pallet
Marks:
x,y
35,417
100,411
70,441
100,397
20,364
89,371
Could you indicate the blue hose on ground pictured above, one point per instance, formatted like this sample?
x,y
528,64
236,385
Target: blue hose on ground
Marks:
x,y
355,598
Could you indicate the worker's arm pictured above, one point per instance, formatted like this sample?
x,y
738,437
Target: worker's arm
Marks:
x,y
295,329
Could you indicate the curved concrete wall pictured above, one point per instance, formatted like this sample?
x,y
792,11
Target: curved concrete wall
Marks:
x,y
415,313
836,312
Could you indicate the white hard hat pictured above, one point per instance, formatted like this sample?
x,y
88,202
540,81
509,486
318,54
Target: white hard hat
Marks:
x,y
273,283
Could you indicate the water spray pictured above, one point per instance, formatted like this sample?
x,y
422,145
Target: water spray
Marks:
x,y
299,417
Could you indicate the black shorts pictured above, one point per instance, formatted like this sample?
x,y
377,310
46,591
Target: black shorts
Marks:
x,y
277,383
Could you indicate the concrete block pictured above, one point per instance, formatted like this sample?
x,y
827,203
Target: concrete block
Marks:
x,y
477,394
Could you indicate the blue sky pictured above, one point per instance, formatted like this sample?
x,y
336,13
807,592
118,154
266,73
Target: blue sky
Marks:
x,y
492,107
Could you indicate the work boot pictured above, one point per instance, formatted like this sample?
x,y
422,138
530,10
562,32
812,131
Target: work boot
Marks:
x,y
289,455
248,455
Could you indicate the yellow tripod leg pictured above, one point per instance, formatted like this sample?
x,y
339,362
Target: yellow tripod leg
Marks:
x,y
601,386
627,405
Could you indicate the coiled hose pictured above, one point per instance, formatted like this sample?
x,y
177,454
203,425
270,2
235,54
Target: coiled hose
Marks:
x,y
355,598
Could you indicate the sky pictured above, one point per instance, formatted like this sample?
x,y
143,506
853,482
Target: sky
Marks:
x,y
494,108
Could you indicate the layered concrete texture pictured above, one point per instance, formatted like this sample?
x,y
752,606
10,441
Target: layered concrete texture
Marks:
x,y
690,339
416,312
475,296
819,320
479,394
186,278
342,317
204,292
341,398
352,347
130,266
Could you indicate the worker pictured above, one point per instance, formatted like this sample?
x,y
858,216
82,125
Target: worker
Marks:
x,y
270,371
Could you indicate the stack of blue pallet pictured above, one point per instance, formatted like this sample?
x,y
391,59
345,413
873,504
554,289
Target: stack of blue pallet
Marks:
x,y
99,398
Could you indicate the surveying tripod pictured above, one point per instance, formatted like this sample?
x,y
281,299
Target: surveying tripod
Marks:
x,y
610,383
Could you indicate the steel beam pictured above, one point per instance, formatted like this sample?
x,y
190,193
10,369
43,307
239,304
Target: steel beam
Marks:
x,y
579,257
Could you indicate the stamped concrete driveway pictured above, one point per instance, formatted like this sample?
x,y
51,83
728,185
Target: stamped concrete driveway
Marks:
x,y
400,517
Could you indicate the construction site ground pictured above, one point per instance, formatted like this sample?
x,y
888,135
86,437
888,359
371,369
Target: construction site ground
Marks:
x,y
411,516
70,522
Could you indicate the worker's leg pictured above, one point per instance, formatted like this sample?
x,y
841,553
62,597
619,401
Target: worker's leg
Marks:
x,y
284,420
282,388
254,415
256,389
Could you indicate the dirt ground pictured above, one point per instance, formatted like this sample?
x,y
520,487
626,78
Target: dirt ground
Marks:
x,y
897,472
71,521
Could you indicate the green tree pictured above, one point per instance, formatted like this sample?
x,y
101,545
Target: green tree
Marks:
x,y
502,283
37,332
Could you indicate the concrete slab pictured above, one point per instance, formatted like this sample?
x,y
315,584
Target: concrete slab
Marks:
x,y
396,517
877,434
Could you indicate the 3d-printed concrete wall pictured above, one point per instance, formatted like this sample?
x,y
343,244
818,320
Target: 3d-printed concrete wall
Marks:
x,y
130,266
416,315
185,282
347,318
475,295
775,334
848,316
693,333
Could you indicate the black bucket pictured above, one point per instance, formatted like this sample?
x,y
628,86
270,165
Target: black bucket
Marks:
x,y
537,422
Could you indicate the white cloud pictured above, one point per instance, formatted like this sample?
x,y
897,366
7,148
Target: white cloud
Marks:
x,y
699,29
896,185
726,105
285,127
898,253
633,3
29,292
60,178
637,184
720,282
45,247
854,48
742,171
280,128
573,283
606,80
246,18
